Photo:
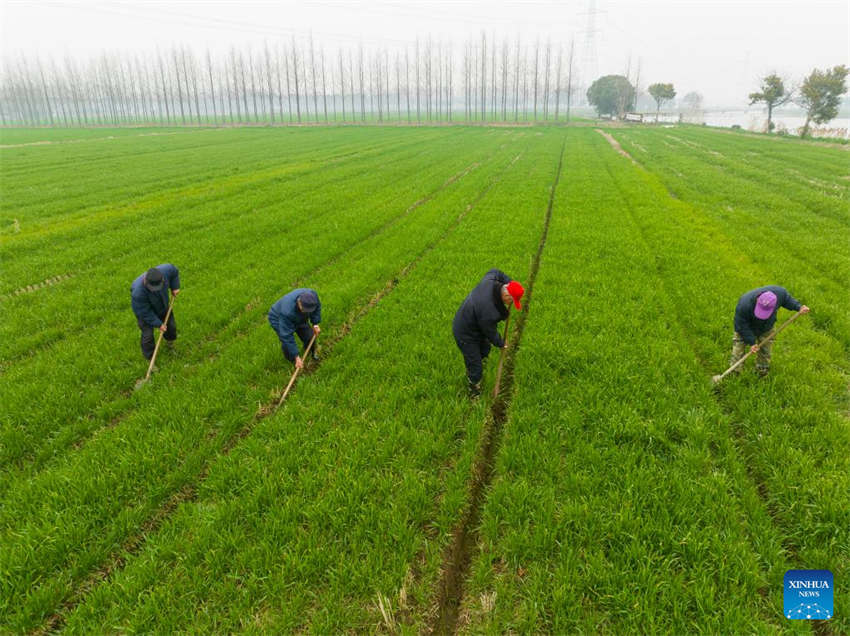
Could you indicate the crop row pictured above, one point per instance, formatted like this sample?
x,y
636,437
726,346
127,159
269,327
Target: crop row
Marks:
x,y
629,497
41,136
210,218
791,430
122,476
349,494
75,309
83,187
811,164
766,223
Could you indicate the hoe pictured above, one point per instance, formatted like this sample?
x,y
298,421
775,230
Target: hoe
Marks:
x,y
140,383
295,373
717,378
501,359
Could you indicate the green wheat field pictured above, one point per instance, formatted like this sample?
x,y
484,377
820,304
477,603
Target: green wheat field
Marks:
x,y
610,488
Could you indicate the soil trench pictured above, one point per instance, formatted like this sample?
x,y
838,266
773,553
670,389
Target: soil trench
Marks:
x,y
458,554
188,492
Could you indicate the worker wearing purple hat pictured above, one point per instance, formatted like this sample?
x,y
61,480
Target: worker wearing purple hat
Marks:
x,y
755,316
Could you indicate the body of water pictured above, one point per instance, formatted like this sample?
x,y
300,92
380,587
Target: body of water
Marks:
x,y
756,121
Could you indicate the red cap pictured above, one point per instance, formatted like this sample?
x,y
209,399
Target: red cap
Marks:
x,y
516,291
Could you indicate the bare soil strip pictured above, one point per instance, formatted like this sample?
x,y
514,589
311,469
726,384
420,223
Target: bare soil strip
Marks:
x,y
615,144
188,492
77,141
464,541
37,461
48,282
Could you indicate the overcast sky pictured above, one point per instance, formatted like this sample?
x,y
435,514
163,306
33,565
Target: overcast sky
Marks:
x,y
719,48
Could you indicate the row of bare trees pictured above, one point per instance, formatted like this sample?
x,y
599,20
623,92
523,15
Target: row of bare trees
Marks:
x,y
295,82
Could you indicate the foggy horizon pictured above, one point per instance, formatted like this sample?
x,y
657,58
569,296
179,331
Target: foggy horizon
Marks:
x,y
719,50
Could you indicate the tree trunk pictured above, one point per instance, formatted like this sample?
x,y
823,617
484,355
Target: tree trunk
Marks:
x,y
516,83
805,132
536,75
570,80
407,81
295,74
483,76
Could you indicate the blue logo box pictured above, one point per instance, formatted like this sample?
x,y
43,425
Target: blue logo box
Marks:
x,y
808,595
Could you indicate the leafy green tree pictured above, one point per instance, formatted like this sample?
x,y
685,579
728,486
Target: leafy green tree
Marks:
x,y
821,94
661,93
773,93
611,95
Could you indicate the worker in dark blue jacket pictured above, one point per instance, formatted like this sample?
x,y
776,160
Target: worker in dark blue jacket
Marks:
x,y
290,315
149,299
755,316
475,323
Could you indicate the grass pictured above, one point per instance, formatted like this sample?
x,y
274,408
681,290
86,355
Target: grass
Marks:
x,y
627,495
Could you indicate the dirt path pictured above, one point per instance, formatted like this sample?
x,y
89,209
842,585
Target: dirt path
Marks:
x,y
615,144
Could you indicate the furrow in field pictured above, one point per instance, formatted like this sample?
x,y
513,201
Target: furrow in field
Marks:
x,y
678,327
814,202
47,282
762,212
226,442
330,438
107,138
796,159
110,411
765,228
76,184
239,177
199,213
227,365
450,588
203,354
771,436
616,505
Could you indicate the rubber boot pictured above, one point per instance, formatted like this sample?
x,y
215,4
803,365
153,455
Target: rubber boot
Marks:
x,y
474,390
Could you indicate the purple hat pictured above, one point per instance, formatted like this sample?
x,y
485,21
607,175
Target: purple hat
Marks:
x,y
765,304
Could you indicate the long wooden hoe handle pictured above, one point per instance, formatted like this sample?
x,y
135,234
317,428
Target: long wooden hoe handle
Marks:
x,y
295,373
159,340
770,337
501,359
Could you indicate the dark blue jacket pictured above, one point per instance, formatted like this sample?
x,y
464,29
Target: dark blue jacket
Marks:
x,y
149,306
285,318
482,310
746,322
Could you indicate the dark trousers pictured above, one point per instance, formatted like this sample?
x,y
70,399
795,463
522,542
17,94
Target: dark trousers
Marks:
x,y
473,357
305,334
148,341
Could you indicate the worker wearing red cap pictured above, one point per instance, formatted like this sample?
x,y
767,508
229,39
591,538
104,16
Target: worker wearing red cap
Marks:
x,y
475,323
755,316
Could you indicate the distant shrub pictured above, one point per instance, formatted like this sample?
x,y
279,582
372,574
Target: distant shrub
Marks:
x,y
736,127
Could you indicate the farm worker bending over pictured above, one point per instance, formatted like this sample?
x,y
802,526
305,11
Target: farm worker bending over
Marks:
x,y
289,316
149,299
474,325
755,316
